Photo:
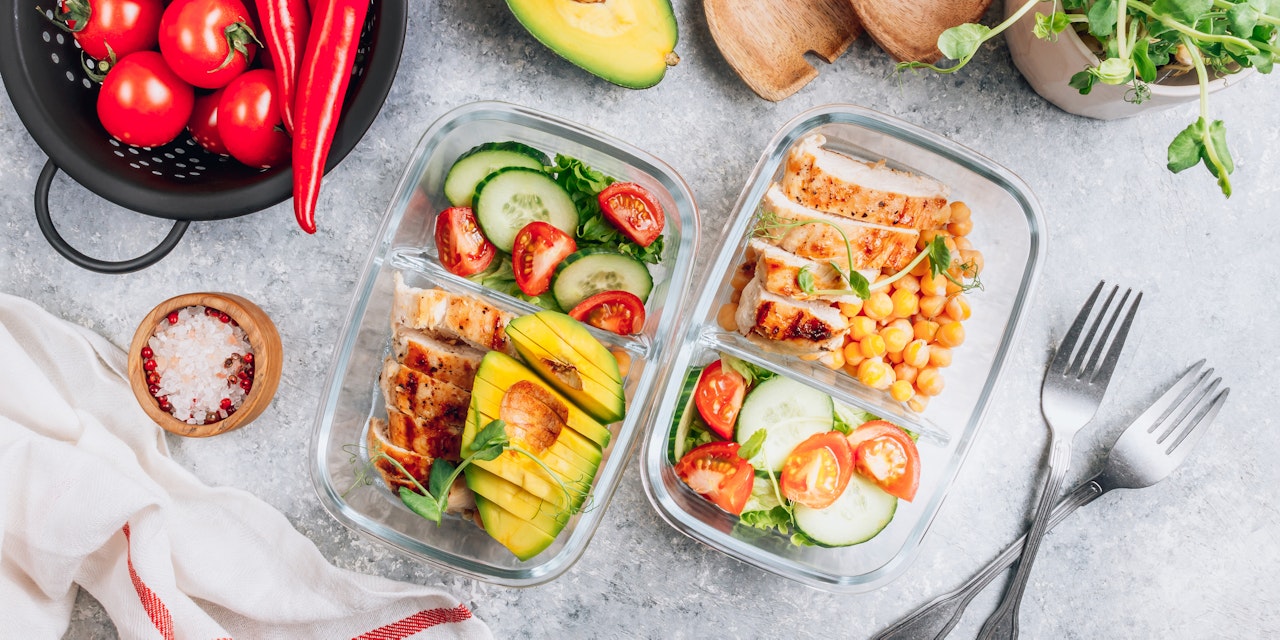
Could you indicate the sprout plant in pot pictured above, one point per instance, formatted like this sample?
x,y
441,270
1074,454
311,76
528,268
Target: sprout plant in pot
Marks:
x,y
1136,43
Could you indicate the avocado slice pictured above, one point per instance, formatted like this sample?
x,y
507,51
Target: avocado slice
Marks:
x,y
566,355
519,536
548,518
501,371
627,42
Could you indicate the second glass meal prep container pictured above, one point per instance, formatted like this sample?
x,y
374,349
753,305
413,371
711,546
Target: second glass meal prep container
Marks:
x,y
1007,229
405,244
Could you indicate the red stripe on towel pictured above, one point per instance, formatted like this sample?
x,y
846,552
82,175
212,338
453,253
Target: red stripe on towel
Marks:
x,y
151,603
417,622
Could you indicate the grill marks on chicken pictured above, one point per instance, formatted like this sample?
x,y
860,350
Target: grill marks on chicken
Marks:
x,y
451,317
874,246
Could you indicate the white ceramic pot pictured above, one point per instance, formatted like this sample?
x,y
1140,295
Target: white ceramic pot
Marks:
x,y
1048,66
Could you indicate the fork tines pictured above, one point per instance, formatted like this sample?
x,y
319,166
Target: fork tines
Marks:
x,y
1080,358
1177,415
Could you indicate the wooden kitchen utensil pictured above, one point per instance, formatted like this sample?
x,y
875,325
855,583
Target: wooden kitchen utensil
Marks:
x,y
909,31
765,40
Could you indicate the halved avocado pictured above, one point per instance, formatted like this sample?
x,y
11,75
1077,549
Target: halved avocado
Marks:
x,y
627,42
519,470
565,354
519,536
501,371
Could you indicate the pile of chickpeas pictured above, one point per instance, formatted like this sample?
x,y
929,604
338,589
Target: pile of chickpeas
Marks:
x,y
901,337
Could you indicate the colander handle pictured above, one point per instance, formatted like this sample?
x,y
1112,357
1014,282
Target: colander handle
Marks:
x,y
45,220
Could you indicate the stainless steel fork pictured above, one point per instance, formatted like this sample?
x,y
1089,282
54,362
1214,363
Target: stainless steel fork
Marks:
x,y
1073,388
1146,453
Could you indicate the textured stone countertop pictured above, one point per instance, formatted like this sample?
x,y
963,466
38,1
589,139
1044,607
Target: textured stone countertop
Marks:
x,y
1193,557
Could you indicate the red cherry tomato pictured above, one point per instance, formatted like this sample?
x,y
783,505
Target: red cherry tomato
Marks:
x,y
618,311
249,121
538,249
715,471
142,101
464,250
817,471
633,210
204,123
886,455
208,42
719,397
111,27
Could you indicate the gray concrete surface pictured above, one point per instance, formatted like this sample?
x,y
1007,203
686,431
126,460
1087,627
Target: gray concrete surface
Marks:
x,y
1194,557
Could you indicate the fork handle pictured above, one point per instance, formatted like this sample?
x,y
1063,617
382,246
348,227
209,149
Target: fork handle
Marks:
x,y
1003,623
939,617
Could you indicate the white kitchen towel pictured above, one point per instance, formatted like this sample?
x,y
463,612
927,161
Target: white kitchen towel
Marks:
x,y
89,497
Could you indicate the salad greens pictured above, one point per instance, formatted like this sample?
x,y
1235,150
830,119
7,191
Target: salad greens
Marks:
x,y
583,184
1138,39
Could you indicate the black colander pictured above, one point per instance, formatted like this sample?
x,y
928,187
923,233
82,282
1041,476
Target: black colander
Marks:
x,y
56,100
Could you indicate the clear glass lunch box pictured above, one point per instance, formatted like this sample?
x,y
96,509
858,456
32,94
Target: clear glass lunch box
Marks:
x,y
405,243
1007,229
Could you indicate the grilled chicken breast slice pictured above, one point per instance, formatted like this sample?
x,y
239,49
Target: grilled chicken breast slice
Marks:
x,y
425,415
461,499
446,362
451,316
779,272
793,326
835,183
874,246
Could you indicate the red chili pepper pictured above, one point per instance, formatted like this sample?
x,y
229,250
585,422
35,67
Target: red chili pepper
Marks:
x,y
285,25
322,86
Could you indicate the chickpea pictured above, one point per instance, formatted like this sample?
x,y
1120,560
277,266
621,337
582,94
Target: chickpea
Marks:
x,y
894,357
960,212
964,244
878,306
851,309
736,296
901,390
740,278
901,323
872,346
931,285
925,330
939,356
861,327
875,373
895,339
916,353
908,282
931,306
960,228
958,308
929,381
972,262
906,372
918,403
905,303
851,349
726,317
834,360
851,367
950,334
920,270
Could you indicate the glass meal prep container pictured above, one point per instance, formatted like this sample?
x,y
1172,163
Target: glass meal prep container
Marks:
x,y
405,244
1007,229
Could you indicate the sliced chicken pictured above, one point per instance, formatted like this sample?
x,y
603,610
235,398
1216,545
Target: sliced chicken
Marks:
x,y
874,246
779,272
442,361
434,411
795,326
461,500
451,316
835,183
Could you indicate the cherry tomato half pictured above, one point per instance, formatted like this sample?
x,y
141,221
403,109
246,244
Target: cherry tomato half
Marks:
x,y
142,102
817,471
464,250
618,311
106,28
538,249
634,211
719,397
886,455
249,122
715,471
208,42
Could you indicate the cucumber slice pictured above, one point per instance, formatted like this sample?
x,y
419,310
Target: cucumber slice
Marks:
x,y
476,165
591,271
789,412
510,198
861,512
686,412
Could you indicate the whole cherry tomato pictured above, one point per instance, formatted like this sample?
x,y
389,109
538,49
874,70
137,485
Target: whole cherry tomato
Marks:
x,y
107,28
143,102
249,121
208,42
204,123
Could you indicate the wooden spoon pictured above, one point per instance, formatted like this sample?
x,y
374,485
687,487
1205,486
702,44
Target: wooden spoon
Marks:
x,y
909,30
765,40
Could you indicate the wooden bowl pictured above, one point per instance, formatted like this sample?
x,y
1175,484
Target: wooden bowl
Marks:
x,y
267,359
909,30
